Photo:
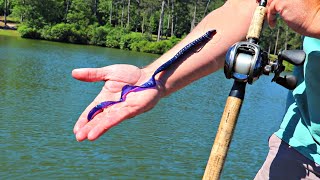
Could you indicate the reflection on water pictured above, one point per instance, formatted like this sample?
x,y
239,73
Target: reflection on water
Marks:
x,y
40,103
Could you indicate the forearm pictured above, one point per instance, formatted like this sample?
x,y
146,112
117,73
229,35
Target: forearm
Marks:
x,y
231,22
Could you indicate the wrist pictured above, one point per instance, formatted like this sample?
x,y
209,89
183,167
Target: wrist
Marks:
x,y
160,85
162,88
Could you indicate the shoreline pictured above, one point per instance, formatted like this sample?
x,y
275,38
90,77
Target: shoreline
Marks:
x,y
9,32
11,25
15,33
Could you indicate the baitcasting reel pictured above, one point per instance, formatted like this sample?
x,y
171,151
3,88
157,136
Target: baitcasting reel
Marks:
x,y
246,62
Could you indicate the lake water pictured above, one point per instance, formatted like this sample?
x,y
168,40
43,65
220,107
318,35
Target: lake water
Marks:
x,y
40,102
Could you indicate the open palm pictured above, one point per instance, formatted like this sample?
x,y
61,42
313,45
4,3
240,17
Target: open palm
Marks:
x,y
115,77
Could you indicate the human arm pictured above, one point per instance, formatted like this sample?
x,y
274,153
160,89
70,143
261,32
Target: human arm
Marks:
x,y
231,22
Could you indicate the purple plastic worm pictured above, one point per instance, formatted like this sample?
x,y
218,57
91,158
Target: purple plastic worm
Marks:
x,y
151,82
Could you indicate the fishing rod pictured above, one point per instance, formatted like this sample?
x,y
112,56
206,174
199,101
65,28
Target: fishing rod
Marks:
x,y
245,62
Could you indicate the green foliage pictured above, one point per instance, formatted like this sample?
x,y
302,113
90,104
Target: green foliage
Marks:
x,y
114,37
153,23
104,9
139,46
38,13
64,33
287,38
158,47
154,47
289,67
184,18
7,32
104,23
98,35
80,14
130,38
59,32
174,40
29,32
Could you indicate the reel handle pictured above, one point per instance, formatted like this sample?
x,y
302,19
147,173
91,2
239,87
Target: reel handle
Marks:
x,y
295,57
289,81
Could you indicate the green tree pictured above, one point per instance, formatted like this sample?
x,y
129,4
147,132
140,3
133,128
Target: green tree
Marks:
x,y
91,21
105,11
81,14
38,13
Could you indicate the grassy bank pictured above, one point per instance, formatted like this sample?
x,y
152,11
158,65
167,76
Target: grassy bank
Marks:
x,y
6,32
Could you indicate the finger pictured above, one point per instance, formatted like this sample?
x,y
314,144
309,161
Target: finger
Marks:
x,y
114,115
102,122
83,132
122,111
272,13
90,74
269,2
82,121
111,120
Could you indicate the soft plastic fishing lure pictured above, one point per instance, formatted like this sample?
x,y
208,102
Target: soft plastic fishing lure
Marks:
x,y
151,82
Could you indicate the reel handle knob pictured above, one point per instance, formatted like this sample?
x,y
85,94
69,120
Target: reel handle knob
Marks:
x,y
289,82
295,57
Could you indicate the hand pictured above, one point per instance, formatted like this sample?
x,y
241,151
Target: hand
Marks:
x,y
115,77
302,16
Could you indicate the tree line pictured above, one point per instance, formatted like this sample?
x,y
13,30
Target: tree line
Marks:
x,y
142,25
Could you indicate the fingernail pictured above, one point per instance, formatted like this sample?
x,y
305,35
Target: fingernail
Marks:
x,y
77,70
75,130
78,137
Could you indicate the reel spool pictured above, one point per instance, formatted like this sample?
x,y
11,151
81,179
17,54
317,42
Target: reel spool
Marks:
x,y
245,62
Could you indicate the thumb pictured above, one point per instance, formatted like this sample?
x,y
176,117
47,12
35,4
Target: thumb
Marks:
x,y
89,74
272,13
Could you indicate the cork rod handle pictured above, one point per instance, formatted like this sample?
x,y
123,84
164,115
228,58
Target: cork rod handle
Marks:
x,y
225,132
256,23
223,138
